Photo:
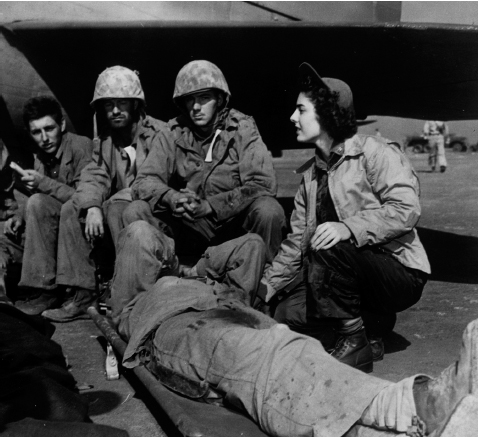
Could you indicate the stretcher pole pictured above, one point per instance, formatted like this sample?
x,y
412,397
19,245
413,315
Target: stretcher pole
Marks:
x,y
183,422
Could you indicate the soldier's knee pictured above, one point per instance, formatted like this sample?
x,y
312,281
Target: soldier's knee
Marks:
x,y
254,240
139,230
136,210
253,244
36,204
268,209
68,209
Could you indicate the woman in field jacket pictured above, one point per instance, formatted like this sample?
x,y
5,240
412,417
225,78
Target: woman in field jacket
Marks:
x,y
353,248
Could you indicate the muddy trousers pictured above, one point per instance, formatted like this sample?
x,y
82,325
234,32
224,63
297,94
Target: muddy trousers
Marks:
x,y
436,154
284,381
346,282
265,217
42,218
77,262
144,254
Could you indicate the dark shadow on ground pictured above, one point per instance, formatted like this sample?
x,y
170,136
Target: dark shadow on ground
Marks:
x,y
101,402
452,257
395,342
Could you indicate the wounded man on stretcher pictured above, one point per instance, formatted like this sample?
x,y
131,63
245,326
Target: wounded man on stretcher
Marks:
x,y
206,330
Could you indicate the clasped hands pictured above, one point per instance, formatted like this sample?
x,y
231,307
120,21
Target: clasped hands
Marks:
x,y
188,205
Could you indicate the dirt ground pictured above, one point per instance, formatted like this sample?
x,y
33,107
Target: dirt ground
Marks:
x,y
426,337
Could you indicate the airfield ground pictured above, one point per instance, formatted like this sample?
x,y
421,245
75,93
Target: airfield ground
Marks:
x,y
426,337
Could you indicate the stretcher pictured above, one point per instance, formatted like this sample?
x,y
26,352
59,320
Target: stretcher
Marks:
x,y
190,417
199,419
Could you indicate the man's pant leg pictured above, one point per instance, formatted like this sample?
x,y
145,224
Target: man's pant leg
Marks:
x,y
42,216
432,151
191,238
76,267
139,210
441,151
113,211
285,381
144,253
266,218
238,263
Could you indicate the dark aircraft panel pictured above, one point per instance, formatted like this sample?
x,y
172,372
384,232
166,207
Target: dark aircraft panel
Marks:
x,y
405,70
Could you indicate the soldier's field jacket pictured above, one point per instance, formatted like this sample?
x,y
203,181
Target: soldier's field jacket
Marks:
x,y
236,169
375,192
105,176
74,154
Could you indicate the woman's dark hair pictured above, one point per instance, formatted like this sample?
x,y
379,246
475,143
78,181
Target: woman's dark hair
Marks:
x,y
39,107
338,122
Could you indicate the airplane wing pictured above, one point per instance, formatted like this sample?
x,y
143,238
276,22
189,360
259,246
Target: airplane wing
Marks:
x,y
406,70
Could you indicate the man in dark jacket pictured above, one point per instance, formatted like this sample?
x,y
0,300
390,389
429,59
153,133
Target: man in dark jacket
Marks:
x,y
11,250
60,156
126,137
211,178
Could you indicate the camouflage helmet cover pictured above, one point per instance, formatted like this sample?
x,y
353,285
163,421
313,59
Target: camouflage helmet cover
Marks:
x,y
118,83
197,76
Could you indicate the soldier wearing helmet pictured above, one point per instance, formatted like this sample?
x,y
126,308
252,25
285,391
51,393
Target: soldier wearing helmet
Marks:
x,y
125,137
212,177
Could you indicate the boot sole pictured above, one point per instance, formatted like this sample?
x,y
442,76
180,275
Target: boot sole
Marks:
x,y
365,367
70,319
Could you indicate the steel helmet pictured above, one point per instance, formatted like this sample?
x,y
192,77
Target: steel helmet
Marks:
x,y
118,83
197,76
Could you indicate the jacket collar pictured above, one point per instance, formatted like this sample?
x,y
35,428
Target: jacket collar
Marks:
x,y
351,147
182,123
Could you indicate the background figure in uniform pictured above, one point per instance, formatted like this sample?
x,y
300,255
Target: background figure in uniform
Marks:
x,y
125,138
436,132
11,249
353,250
286,382
211,178
60,156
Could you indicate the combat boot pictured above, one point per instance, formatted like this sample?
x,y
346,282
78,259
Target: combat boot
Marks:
x,y
436,399
74,308
37,303
355,351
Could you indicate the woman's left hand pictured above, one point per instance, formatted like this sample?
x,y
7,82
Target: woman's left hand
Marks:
x,y
328,234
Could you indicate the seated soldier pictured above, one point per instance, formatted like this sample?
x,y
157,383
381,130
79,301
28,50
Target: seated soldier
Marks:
x,y
284,381
60,156
211,178
11,250
126,137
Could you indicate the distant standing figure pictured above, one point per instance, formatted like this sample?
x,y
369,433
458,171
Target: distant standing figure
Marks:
x,y
435,132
